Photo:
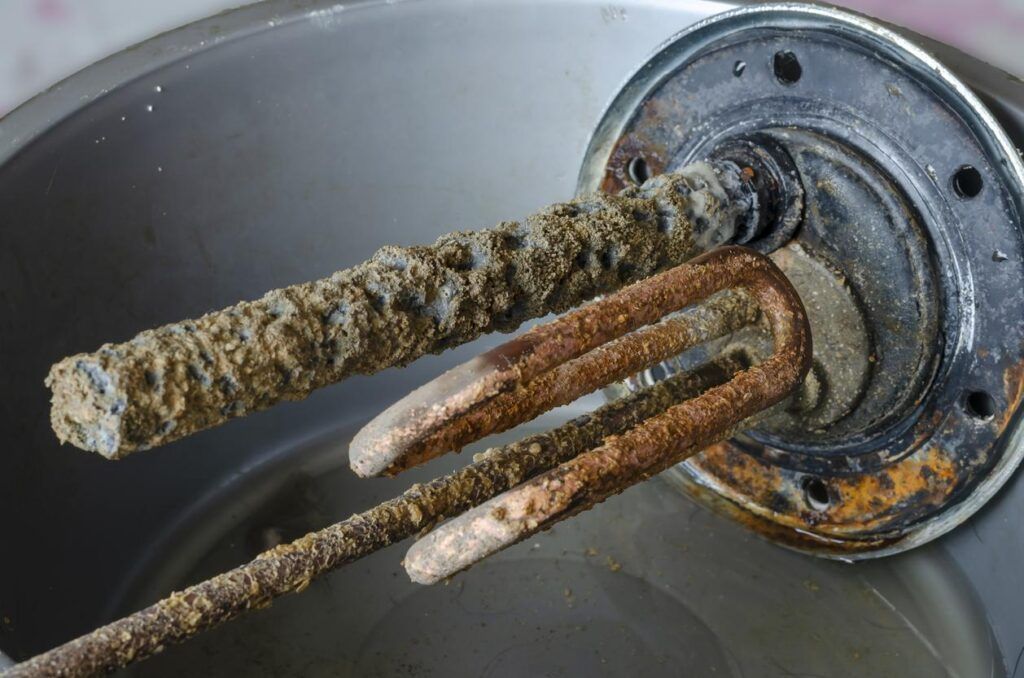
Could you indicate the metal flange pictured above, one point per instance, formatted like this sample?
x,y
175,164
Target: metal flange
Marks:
x,y
912,216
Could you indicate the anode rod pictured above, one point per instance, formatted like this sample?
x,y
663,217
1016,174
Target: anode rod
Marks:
x,y
403,303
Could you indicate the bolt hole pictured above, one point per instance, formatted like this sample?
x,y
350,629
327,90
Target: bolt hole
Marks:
x,y
967,182
787,67
816,494
739,67
980,405
638,170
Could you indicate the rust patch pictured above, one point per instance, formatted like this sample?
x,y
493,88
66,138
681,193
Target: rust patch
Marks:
x,y
869,505
939,463
1013,389
766,527
616,174
896,495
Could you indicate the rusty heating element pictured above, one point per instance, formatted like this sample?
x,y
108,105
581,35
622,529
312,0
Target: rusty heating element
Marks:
x,y
565,471
564,360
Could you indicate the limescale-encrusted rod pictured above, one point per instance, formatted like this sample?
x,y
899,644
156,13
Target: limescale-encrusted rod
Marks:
x,y
403,303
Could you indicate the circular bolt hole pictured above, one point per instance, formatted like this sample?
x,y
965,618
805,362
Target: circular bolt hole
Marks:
x,y
967,182
980,405
787,67
739,67
638,171
816,494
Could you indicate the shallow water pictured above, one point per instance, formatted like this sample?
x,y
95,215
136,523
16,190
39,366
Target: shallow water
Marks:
x,y
647,583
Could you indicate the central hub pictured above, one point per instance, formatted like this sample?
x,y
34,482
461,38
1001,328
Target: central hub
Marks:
x,y
867,273
911,216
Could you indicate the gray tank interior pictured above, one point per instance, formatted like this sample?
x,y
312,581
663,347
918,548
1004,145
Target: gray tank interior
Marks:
x,y
286,140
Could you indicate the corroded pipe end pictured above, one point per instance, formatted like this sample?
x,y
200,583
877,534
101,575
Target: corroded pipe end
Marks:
x,y
100,406
87,405
382,446
444,552
114,402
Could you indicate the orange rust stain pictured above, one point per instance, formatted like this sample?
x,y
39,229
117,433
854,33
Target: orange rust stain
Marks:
x,y
767,528
861,505
616,172
871,501
743,473
1013,388
864,509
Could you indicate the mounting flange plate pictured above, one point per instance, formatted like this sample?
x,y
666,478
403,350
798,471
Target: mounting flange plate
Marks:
x,y
914,196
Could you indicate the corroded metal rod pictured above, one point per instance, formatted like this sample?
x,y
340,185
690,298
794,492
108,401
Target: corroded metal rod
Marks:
x,y
548,366
431,421
291,567
403,303
657,443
